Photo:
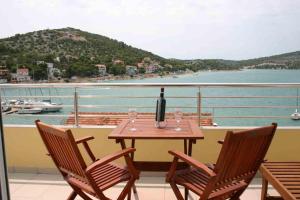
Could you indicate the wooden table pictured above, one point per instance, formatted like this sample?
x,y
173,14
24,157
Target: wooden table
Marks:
x,y
146,130
284,177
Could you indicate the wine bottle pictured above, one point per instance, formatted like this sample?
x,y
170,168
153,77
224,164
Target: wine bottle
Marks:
x,y
160,107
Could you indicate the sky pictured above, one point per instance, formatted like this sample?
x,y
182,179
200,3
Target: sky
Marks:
x,y
183,29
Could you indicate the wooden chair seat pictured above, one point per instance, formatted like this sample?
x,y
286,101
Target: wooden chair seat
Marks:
x,y
196,180
109,175
105,177
192,178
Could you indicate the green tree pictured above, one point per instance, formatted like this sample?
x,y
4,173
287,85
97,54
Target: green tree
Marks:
x,y
142,70
117,70
39,72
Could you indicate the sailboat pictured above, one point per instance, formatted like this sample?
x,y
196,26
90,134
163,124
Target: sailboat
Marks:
x,y
296,114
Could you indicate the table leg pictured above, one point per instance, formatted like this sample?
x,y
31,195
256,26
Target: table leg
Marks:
x,y
185,146
122,143
190,147
132,146
264,189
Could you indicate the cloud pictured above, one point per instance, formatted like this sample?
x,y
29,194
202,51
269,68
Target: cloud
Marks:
x,y
171,28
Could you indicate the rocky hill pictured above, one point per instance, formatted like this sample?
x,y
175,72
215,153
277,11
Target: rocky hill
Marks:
x,y
72,43
68,47
286,60
76,52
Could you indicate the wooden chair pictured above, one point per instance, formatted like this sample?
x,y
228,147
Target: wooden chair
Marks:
x,y
93,179
241,155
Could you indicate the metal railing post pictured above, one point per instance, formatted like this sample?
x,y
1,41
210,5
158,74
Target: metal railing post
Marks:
x,y
4,192
199,107
76,108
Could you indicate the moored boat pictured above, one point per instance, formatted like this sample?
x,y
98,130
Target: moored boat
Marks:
x,y
295,115
5,107
45,106
27,110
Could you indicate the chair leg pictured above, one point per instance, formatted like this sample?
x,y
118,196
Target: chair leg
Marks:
x,y
72,195
80,193
237,195
136,196
176,191
126,189
186,193
134,189
264,190
129,195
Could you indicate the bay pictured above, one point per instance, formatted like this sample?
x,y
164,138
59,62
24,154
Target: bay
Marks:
x,y
112,102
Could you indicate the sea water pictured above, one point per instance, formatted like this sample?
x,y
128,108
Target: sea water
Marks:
x,y
111,99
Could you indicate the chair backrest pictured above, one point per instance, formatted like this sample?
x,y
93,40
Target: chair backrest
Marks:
x,y
242,153
62,148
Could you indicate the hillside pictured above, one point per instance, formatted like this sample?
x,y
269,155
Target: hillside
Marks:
x,y
76,52
286,60
69,46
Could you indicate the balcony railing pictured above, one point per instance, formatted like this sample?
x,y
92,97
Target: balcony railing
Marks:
x,y
224,103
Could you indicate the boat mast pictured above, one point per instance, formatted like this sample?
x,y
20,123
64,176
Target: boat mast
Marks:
x,y
297,99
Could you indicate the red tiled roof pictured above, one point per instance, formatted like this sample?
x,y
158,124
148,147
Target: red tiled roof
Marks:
x,y
114,118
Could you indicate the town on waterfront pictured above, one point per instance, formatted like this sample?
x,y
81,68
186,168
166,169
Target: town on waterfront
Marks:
x,y
73,55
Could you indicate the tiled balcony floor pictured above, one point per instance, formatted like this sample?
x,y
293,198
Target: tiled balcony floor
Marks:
x,y
24,186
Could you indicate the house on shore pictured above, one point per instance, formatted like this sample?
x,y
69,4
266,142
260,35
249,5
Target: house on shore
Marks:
x,y
39,62
131,70
53,72
118,62
101,69
151,68
22,75
4,74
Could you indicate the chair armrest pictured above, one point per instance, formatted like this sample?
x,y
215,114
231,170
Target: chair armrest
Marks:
x,y
189,160
84,139
109,158
84,142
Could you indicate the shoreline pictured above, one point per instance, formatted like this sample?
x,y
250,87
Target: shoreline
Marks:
x,y
126,77
146,76
140,76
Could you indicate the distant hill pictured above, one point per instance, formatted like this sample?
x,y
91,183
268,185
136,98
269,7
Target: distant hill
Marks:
x,y
74,43
286,60
76,52
70,47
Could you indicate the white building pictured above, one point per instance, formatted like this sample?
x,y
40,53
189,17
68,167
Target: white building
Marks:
x,y
151,68
40,62
22,75
131,70
101,69
52,71
4,74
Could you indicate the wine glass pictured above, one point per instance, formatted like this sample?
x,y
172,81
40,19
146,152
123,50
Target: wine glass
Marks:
x,y
178,116
132,114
